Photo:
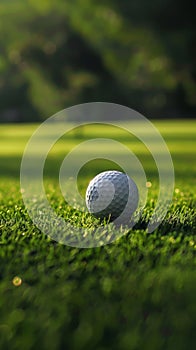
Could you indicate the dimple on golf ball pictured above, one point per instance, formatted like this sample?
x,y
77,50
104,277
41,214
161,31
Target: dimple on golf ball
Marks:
x,y
112,195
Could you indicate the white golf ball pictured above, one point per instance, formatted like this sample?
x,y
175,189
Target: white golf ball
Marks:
x,y
112,195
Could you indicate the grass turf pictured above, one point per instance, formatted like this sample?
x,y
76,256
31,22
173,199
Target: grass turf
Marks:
x,y
136,293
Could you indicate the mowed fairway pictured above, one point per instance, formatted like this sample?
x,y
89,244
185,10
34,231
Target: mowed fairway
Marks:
x,y
138,293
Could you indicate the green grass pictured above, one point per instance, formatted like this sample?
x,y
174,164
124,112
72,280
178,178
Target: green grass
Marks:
x,y
136,293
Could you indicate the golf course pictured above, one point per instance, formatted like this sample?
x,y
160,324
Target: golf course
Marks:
x,y
137,293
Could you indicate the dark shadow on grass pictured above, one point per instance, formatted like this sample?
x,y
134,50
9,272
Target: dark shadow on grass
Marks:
x,y
10,167
168,226
183,164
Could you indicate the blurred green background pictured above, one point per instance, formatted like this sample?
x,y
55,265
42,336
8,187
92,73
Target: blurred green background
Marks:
x,y
57,53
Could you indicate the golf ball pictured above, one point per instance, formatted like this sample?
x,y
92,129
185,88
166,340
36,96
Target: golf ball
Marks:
x,y
112,195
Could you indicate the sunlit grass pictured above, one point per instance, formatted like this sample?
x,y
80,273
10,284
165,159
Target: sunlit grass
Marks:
x,y
137,293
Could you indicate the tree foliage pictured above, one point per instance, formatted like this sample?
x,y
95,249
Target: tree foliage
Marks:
x,y
54,54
